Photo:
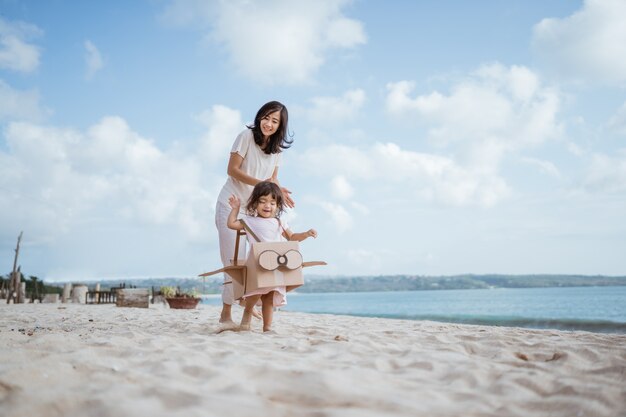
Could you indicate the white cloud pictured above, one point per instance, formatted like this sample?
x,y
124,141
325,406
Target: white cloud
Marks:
x,y
93,59
439,178
336,160
574,149
274,41
344,33
493,111
16,53
189,12
589,44
340,216
546,167
337,109
607,174
430,177
20,105
341,188
223,125
109,175
617,122
373,259
361,208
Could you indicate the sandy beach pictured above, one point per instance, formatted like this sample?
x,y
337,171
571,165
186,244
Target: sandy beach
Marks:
x,y
102,360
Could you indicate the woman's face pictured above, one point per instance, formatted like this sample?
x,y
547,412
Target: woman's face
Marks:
x,y
270,123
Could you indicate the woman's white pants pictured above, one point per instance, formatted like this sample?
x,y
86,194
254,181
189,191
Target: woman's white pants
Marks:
x,y
227,239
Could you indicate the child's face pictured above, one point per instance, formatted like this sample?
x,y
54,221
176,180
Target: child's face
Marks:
x,y
266,207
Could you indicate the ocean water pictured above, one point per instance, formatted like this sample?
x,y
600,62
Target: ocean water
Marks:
x,y
595,309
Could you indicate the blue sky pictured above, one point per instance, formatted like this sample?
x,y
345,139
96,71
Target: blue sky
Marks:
x,y
431,138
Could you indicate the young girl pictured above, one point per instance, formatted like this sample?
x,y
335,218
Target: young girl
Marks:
x,y
264,207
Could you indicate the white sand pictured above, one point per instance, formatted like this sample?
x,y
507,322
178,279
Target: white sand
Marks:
x,y
101,360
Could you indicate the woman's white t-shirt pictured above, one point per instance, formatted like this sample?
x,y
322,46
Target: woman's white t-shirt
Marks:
x,y
256,163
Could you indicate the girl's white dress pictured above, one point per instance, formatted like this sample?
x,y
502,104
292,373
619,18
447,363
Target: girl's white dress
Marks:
x,y
267,230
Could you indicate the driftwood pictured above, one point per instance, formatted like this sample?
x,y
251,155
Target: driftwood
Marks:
x,y
133,297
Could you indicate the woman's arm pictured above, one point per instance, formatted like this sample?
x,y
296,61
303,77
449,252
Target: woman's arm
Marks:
x,y
234,170
233,222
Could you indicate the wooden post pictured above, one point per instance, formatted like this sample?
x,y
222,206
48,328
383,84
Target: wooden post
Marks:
x,y
14,282
21,297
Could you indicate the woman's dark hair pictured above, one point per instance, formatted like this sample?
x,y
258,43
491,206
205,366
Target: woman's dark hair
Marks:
x,y
279,140
261,190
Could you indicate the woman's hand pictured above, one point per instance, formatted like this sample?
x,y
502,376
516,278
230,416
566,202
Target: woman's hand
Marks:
x,y
288,200
311,233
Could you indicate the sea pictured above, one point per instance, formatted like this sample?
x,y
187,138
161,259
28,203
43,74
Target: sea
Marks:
x,y
593,309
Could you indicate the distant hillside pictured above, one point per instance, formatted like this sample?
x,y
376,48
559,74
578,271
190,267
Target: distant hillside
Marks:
x,y
316,284
456,282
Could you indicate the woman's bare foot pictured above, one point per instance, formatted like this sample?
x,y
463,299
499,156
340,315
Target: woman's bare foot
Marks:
x,y
226,326
225,315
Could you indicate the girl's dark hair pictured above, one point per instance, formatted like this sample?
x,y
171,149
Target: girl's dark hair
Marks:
x,y
261,190
279,140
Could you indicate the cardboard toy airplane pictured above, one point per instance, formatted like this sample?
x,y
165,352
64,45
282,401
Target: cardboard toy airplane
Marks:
x,y
269,264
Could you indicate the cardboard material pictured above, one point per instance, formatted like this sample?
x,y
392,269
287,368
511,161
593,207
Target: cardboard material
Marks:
x,y
269,264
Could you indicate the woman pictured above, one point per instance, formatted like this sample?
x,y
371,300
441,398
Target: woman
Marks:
x,y
254,157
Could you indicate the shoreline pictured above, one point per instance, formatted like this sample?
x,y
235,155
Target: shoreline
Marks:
x,y
562,325
546,309
102,360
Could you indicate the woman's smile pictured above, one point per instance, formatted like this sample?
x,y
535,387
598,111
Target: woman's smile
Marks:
x,y
270,123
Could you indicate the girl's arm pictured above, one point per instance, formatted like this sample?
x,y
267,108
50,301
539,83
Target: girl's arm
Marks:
x,y
233,222
299,237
